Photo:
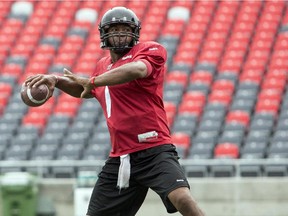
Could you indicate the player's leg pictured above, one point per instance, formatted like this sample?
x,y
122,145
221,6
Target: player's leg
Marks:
x,y
184,202
125,203
107,199
163,174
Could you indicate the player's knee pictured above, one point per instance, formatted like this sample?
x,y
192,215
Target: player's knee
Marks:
x,y
180,197
188,207
184,202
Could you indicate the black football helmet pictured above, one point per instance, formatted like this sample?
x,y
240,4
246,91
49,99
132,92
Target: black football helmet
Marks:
x,y
119,15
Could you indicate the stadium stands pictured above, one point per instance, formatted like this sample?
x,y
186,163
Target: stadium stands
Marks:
x,y
225,90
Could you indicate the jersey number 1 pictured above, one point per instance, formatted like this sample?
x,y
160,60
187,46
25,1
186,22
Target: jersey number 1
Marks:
x,y
108,101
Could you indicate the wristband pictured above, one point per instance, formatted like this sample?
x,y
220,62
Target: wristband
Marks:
x,y
92,80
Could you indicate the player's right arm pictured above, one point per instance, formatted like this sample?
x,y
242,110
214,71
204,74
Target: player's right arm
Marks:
x,y
63,83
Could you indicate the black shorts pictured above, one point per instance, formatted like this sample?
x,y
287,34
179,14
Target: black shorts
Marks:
x,y
156,168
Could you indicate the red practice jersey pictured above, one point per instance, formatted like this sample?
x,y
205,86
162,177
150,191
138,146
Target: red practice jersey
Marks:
x,y
134,111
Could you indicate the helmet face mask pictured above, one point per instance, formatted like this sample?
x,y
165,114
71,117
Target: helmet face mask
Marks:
x,y
124,16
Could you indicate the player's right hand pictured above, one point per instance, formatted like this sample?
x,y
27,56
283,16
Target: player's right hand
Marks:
x,y
36,80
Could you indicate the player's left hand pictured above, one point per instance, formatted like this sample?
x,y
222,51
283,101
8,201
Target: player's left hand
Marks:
x,y
85,82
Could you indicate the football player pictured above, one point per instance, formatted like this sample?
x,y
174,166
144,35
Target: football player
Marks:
x,y
129,86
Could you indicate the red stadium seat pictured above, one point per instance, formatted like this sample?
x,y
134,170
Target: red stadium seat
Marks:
x,y
30,35
255,64
226,150
170,109
244,26
55,32
148,34
201,76
36,67
274,83
46,49
192,107
278,63
5,93
70,48
264,35
36,119
217,36
66,109
191,45
197,28
267,105
211,45
220,97
96,5
251,75
281,42
261,44
267,26
65,59
6,42
186,57
67,98
89,54
251,7
280,74
274,7
10,31
14,70
205,7
270,94
85,67
60,21
67,105
237,45
46,5
211,56
178,77
82,25
238,116
5,8
228,7
41,59
3,102
181,141
38,20
187,4
230,65
223,85
22,50
194,96
5,89
45,109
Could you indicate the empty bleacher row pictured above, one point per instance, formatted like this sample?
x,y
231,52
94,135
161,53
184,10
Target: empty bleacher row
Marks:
x,y
225,89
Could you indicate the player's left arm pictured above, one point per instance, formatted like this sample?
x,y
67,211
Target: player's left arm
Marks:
x,y
122,74
125,73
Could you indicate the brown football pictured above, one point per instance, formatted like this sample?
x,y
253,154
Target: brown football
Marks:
x,y
35,96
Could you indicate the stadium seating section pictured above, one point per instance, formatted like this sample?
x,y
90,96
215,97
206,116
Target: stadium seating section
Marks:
x,y
225,88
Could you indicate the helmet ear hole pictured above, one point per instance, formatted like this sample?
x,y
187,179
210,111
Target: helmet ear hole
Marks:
x,y
119,15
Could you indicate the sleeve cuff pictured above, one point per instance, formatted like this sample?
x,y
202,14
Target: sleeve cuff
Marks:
x,y
148,65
